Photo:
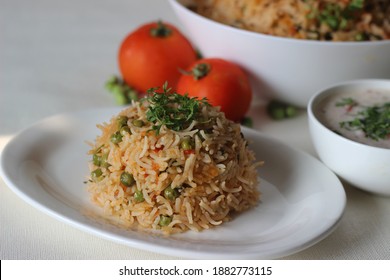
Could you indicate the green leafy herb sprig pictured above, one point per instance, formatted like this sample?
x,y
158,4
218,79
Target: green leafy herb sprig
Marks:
x,y
173,110
374,121
334,16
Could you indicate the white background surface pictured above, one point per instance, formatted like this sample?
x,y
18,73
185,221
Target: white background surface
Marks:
x,y
55,57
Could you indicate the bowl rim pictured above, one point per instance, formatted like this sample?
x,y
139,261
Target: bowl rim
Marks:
x,y
329,90
176,4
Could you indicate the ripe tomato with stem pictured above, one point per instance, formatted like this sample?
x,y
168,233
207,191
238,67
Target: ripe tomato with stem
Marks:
x,y
222,82
154,54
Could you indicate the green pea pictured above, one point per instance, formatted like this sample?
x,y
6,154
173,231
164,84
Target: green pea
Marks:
x,y
97,160
343,23
186,144
124,130
165,220
139,196
138,123
170,193
291,111
116,137
279,110
103,161
333,22
127,179
362,36
97,175
122,121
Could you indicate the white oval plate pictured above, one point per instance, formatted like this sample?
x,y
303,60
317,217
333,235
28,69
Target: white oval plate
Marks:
x,y
302,201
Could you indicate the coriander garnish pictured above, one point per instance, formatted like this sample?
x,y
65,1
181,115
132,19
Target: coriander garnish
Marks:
x,y
173,110
335,15
374,121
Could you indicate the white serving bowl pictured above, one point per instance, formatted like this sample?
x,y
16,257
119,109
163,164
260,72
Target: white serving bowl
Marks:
x,y
290,70
361,165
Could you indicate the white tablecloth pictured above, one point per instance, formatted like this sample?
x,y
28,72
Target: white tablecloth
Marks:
x,y
55,57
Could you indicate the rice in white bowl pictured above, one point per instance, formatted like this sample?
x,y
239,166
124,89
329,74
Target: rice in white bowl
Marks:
x,y
330,20
193,174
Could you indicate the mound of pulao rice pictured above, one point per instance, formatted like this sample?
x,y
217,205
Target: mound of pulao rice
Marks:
x,y
331,20
172,163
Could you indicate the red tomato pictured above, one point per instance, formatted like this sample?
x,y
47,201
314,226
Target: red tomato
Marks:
x,y
222,82
153,54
